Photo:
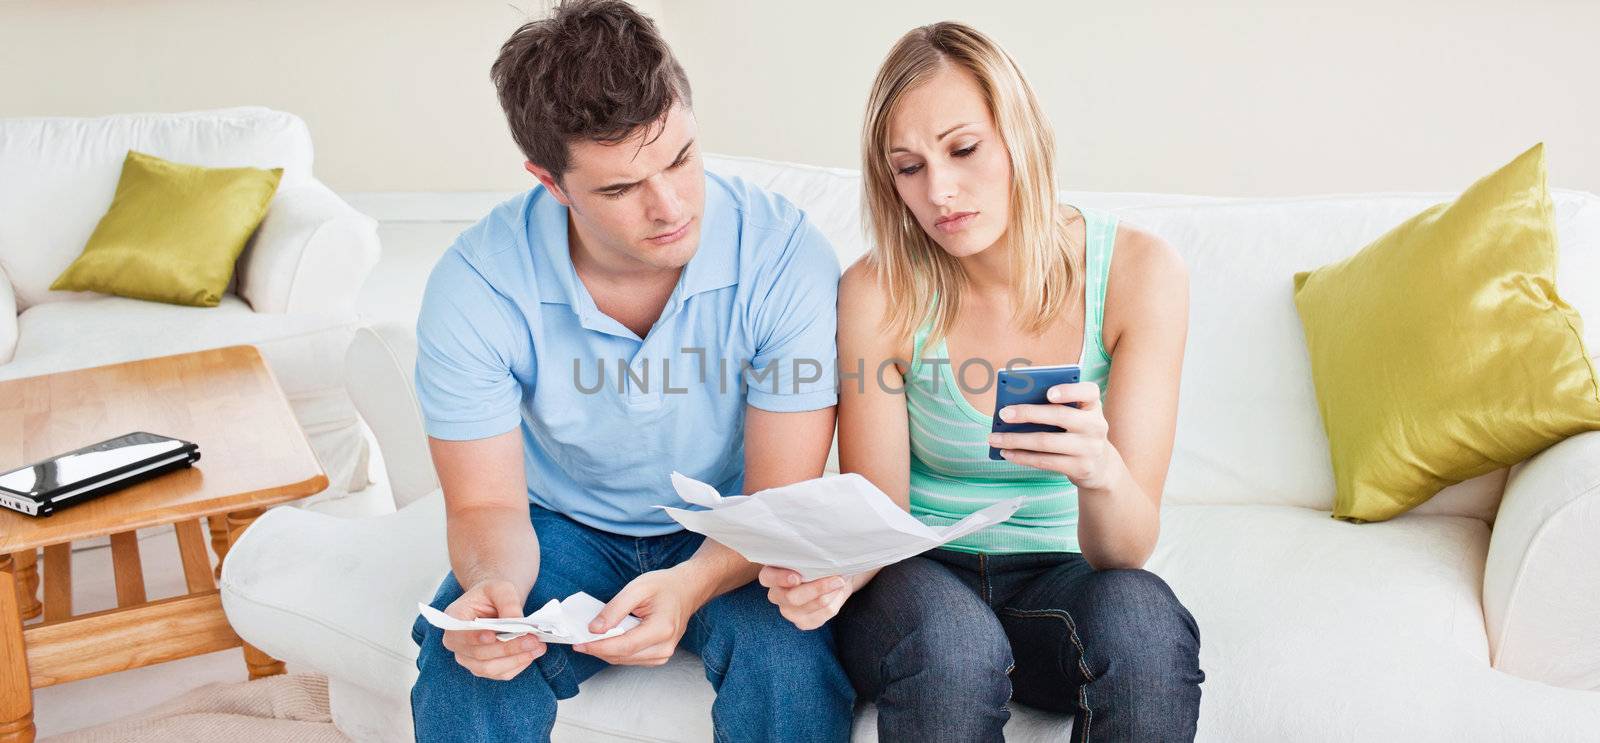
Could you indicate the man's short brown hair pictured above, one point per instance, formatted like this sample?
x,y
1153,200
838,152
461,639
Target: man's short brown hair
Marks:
x,y
595,69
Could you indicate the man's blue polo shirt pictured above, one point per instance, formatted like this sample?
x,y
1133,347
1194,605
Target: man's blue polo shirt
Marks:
x,y
508,337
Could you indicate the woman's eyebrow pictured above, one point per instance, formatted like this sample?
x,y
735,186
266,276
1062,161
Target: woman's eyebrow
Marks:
x,y
941,136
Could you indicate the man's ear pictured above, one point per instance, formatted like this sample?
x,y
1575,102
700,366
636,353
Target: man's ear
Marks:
x,y
550,182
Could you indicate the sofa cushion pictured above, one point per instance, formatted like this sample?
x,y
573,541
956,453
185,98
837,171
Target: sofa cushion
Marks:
x,y
1292,603
61,173
1286,598
299,348
1389,603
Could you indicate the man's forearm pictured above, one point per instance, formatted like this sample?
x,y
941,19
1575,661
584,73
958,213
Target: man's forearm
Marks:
x,y
715,570
779,449
491,543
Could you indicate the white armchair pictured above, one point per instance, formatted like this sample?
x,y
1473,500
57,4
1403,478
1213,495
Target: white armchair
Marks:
x,y
294,289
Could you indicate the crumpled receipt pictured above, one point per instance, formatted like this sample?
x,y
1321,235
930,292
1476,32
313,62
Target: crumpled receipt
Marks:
x,y
834,525
565,622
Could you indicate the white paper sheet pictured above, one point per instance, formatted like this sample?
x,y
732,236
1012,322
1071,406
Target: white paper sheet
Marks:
x,y
565,621
835,525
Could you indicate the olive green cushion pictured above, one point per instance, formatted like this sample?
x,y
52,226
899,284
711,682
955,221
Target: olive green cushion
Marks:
x,y
1441,351
173,232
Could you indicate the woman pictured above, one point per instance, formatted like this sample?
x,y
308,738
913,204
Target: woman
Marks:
x,y
975,266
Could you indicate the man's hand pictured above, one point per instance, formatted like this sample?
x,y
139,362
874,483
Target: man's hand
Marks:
x,y
477,650
663,600
806,604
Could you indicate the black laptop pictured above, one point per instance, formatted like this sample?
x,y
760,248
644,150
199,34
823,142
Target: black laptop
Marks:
x,y
80,475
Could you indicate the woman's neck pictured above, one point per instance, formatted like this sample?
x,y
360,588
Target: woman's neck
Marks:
x,y
988,271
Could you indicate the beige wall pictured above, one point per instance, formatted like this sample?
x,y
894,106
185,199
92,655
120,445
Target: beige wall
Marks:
x,y
1251,98
397,93
1245,98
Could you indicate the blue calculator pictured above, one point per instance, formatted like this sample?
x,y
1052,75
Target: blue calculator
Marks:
x,y
1027,385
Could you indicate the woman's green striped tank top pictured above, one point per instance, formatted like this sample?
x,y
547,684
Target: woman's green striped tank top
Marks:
x,y
951,473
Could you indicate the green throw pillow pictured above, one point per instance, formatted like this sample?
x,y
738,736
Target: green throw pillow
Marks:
x,y
173,231
1441,351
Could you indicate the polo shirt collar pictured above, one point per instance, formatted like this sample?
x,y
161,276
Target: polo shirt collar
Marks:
x,y
715,263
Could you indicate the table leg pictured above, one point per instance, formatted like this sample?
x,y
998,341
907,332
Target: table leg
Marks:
x,y
16,693
259,664
218,525
27,563
196,562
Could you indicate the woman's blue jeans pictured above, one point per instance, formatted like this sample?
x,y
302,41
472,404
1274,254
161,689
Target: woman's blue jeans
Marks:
x,y
944,640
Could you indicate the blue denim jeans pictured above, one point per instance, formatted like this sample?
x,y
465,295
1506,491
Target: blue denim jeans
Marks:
x,y
773,682
944,640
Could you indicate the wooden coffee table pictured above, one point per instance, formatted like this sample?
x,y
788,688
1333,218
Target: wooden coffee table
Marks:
x,y
253,455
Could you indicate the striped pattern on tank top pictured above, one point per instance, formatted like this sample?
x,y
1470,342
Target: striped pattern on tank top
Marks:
x,y
951,473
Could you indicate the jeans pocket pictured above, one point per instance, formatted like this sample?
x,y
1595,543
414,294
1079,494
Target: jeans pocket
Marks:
x,y
419,630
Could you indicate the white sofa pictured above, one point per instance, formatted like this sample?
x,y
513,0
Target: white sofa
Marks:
x,y
294,289
1474,617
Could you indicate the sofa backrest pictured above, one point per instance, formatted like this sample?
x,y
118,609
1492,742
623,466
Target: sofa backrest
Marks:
x,y
1248,426
58,174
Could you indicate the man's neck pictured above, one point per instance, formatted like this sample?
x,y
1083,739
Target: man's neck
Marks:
x,y
630,293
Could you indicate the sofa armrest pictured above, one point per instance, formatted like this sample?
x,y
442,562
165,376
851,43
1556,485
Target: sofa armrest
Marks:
x,y
312,253
1541,583
379,368
338,595
8,318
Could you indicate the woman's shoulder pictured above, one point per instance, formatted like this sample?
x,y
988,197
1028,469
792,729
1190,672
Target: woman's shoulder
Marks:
x,y
1147,277
862,291
1144,251
864,312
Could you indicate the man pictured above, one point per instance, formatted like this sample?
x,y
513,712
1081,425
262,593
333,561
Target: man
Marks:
x,y
631,316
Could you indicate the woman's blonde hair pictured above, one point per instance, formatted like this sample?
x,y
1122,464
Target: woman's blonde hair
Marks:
x,y
914,271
